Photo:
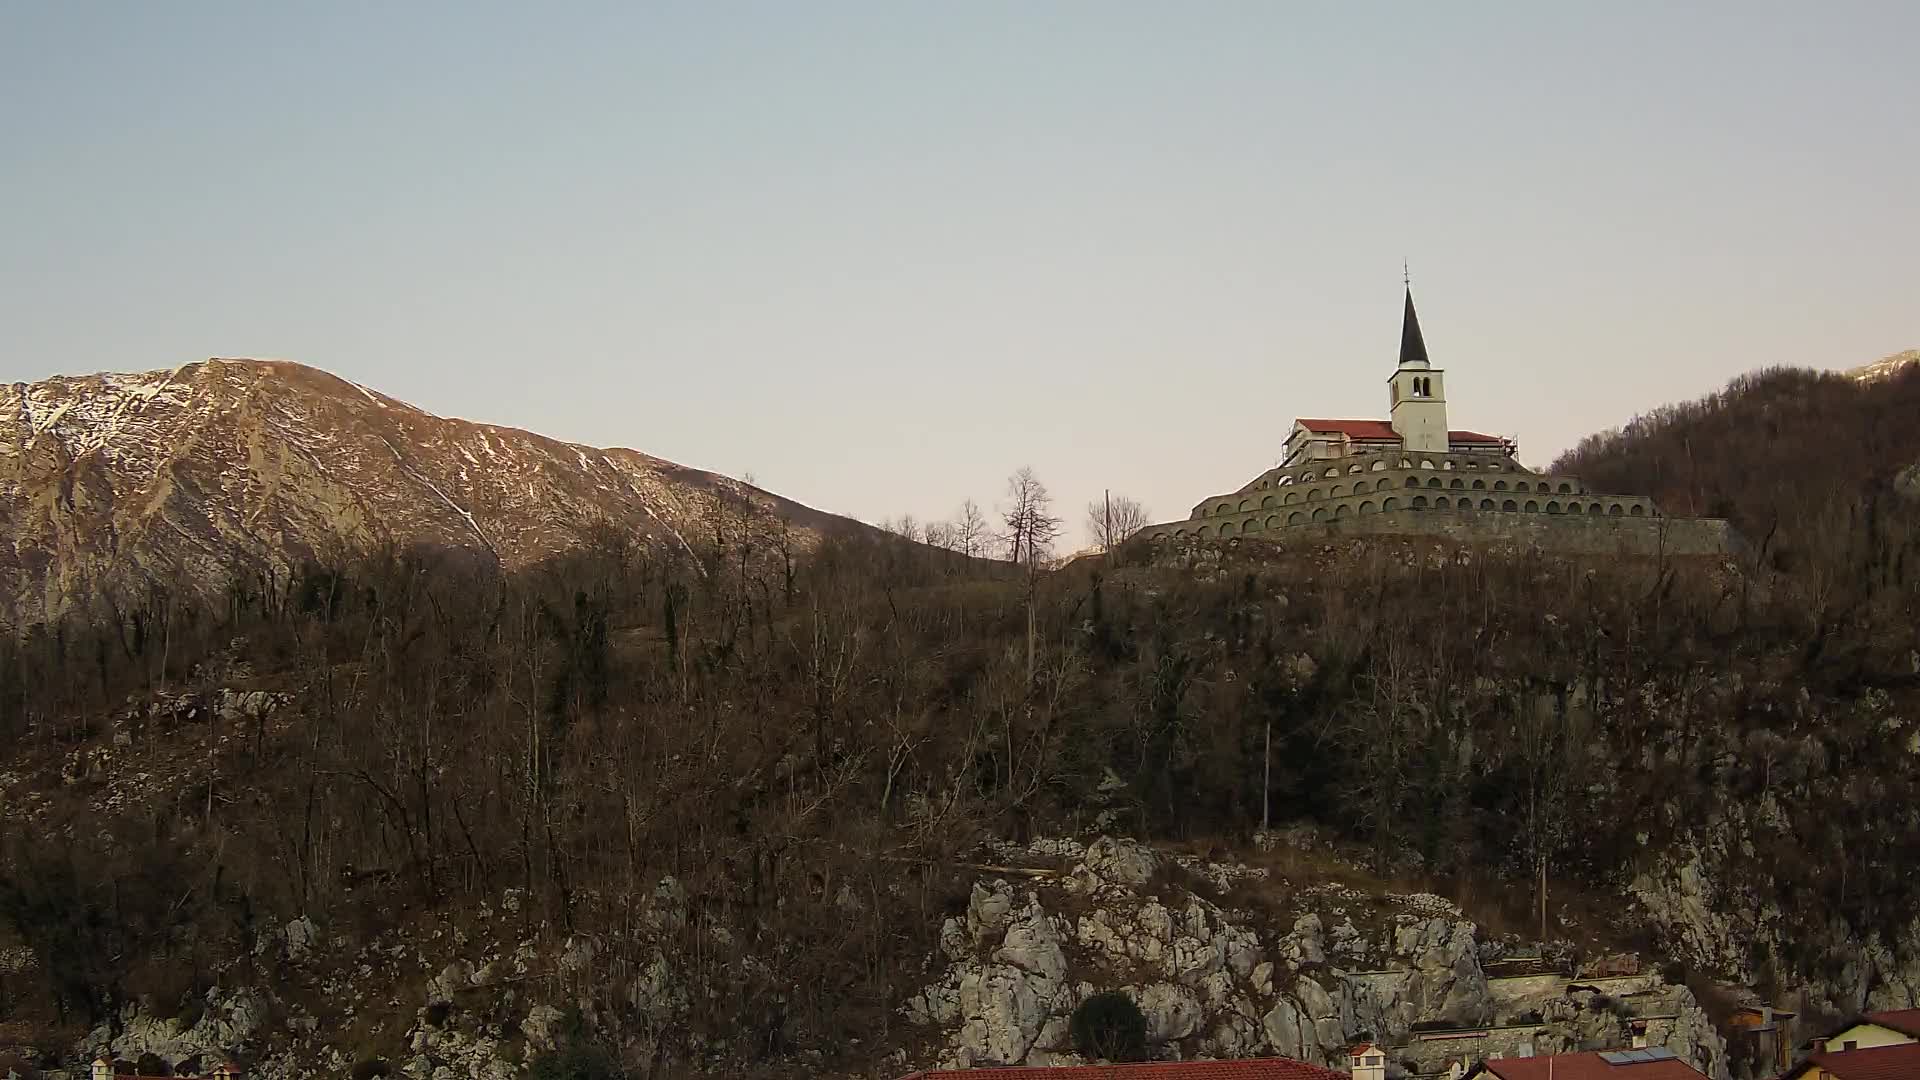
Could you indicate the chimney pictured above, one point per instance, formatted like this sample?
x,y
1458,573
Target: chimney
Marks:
x,y
1369,1062
102,1069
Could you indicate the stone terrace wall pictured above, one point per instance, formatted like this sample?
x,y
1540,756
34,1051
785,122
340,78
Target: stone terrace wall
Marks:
x,y
1579,534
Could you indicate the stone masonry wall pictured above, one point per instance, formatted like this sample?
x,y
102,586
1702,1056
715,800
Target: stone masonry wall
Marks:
x,y
1580,535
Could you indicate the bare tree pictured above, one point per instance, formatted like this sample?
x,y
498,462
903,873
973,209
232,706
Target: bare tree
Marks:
x,y
1031,527
1111,520
970,530
1031,531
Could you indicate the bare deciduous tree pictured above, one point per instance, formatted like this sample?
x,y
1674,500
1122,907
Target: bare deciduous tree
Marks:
x,y
1031,527
1031,531
970,530
1111,520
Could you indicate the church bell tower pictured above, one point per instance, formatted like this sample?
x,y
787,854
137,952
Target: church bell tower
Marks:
x,y
1419,413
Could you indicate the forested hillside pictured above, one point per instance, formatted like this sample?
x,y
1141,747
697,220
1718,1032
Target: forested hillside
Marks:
x,y
1803,462
803,755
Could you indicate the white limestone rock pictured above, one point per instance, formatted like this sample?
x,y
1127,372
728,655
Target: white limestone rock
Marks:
x,y
1120,861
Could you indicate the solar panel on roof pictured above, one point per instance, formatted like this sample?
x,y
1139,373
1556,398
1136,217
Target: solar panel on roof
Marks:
x,y
1658,1053
1614,1057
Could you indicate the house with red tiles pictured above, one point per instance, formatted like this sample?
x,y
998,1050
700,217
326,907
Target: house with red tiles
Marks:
x,y
1239,1069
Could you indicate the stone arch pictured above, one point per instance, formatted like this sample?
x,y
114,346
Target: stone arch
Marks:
x,y
1330,473
1413,481
1486,504
1266,503
1320,514
1419,502
1566,488
1246,505
1368,507
1336,491
1509,506
1226,528
1499,485
1290,497
1389,503
1426,463
1296,518
1593,508
1553,507
1533,506
1378,465
1313,494
1342,510
1284,481
1457,483
1359,487
1637,511
1614,510
1356,467
1252,525
1179,534
1273,521
1223,508
1447,464
1433,481
1479,484
1543,487
1406,463
1205,533
1463,504
1440,503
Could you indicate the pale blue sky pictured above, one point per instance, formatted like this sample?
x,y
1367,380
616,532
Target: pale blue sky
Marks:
x,y
880,254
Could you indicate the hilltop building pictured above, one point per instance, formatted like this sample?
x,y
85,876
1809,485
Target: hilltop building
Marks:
x,y
1413,473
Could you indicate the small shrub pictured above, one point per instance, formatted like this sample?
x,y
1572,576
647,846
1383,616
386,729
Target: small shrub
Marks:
x,y
438,1012
1109,1026
370,1068
577,1061
152,1064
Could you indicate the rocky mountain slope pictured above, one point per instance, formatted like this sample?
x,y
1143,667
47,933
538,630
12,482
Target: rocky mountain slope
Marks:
x,y
1885,367
240,470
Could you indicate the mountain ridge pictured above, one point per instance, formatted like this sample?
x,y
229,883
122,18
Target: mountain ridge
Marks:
x,y
234,469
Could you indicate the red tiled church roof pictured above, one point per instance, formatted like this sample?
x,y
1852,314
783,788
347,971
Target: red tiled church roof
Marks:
x,y
1245,1069
1352,429
1589,1066
1901,1062
1382,429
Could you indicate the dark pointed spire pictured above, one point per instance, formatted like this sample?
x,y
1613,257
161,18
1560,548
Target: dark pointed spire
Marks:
x,y
1413,347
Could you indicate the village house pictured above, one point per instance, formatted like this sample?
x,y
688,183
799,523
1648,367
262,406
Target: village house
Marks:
x,y
104,1070
1877,1046
1373,1064
1898,1061
1895,1028
1765,1029
1653,1063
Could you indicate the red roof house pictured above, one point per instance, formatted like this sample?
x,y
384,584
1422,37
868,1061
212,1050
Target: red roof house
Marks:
x,y
1904,1021
104,1070
1898,1062
1603,1065
1242,1069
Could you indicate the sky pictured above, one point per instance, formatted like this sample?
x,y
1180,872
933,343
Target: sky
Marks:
x,y
878,255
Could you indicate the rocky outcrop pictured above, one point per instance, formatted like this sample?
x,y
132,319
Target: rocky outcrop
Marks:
x,y
1222,983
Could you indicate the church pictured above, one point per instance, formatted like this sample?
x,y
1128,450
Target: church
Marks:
x,y
1412,473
